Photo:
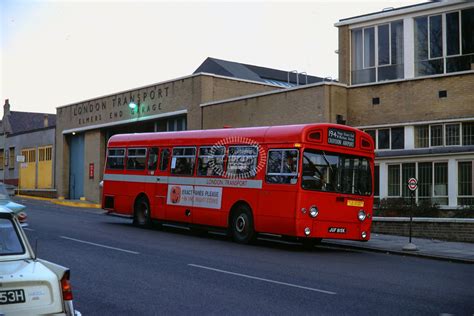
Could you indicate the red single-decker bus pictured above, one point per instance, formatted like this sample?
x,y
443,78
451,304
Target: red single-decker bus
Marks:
x,y
309,181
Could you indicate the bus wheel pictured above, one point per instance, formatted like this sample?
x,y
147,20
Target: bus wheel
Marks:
x,y
242,228
141,214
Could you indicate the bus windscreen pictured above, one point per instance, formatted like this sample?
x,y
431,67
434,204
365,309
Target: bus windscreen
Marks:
x,y
330,172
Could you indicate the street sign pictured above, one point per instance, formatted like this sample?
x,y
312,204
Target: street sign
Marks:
x,y
20,158
412,184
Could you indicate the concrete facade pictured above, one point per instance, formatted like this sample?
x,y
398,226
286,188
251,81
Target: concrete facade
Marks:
x,y
97,119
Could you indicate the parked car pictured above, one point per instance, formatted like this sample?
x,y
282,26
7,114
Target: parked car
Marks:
x,y
28,285
17,208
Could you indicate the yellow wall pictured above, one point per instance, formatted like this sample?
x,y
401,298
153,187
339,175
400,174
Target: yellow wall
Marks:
x,y
28,169
45,167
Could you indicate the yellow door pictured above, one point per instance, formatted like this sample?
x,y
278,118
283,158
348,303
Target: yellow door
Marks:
x,y
45,167
28,169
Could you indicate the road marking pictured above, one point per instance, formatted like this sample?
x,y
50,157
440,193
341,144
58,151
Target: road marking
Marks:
x,y
262,279
99,245
28,229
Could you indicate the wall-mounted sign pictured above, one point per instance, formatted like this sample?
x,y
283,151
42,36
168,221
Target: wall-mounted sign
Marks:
x,y
341,137
20,158
91,171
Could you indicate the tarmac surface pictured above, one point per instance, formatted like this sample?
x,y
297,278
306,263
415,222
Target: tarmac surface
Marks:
x,y
430,248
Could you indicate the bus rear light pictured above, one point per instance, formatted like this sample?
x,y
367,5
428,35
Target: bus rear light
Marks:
x,y
66,287
361,215
313,211
307,231
363,235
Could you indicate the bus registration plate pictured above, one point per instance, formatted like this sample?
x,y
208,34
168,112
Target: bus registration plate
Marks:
x,y
355,203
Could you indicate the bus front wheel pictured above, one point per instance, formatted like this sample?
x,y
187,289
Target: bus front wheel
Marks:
x,y
242,225
141,214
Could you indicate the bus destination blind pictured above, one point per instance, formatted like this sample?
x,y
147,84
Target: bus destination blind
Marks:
x,y
341,137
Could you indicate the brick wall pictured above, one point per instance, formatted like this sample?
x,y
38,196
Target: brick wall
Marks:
x,y
411,100
433,228
344,51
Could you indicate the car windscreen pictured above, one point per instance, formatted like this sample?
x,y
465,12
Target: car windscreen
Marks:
x,y
10,241
332,172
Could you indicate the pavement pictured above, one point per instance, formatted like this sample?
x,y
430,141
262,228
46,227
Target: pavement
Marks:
x,y
430,248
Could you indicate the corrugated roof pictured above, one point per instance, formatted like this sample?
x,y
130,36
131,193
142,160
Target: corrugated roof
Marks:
x,y
254,73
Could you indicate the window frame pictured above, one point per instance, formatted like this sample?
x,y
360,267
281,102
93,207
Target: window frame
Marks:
x,y
193,164
417,197
376,139
116,156
459,196
145,164
158,151
444,42
199,156
232,174
376,66
295,174
160,167
11,158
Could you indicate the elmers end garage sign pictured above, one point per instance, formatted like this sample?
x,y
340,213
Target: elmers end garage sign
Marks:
x,y
341,137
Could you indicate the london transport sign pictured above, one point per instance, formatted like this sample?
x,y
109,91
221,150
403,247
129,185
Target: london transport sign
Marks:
x,y
412,184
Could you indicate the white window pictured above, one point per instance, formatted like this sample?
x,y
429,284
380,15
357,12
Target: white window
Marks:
x,y
377,53
436,53
465,183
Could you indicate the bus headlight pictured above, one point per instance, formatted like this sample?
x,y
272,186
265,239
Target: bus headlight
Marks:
x,y
361,215
364,235
313,211
307,231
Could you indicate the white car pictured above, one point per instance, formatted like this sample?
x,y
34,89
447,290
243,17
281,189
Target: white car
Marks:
x,y
29,286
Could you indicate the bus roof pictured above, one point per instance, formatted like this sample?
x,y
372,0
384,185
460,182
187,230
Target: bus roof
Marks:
x,y
266,134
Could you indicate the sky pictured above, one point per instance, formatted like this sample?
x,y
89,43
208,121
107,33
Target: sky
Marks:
x,y
54,53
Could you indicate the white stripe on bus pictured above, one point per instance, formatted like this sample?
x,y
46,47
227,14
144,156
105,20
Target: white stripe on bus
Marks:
x,y
213,182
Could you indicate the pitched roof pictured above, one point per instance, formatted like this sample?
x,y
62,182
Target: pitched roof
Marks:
x,y
255,73
26,121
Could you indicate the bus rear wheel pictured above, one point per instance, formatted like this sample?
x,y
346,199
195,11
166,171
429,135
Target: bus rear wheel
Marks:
x,y
241,226
141,214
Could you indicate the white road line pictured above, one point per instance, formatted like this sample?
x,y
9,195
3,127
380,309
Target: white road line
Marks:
x,y
28,229
262,279
99,245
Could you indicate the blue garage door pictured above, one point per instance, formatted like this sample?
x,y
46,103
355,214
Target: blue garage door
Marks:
x,y
76,169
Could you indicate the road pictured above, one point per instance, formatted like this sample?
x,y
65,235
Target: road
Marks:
x,y
118,269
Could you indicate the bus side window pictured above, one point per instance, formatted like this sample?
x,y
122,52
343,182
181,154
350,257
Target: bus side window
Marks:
x,y
282,166
136,158
165,158
211,161
116,158
153,158
183,161
242,161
